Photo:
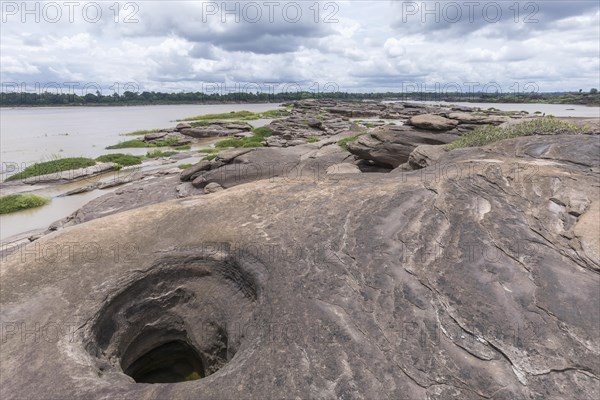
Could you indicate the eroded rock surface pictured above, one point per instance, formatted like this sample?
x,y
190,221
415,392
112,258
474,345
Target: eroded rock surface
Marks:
x,y
474,278
391,145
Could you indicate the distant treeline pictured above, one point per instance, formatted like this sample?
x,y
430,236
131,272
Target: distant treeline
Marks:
x,y
8,99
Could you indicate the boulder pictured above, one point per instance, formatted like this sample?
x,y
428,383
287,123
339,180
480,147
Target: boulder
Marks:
x,y
213,188
186,189
187,174
315,123
227,156
391,145
433,122
268,163
154,136
183,125
426,155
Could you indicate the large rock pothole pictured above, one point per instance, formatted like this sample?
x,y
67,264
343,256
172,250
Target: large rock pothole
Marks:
x,y
169,323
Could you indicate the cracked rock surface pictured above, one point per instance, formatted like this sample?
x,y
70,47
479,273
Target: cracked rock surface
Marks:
x,y
474,278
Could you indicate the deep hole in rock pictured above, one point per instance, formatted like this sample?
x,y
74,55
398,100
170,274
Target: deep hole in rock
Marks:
x,y
171,324
171,362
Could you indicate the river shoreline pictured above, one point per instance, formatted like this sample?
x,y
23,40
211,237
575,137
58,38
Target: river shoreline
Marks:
x,y
307,124
475,101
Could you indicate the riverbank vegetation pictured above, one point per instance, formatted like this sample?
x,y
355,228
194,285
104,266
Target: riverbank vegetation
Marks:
x,y
122,160
52,167
160,153
14,99
344,142
201,120
18,202
138,143
489,134
260,134
142,132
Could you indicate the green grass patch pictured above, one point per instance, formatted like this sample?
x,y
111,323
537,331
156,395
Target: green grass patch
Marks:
x,y
344,142
129,144
184,147
209,151
138,143
200,124
489,134
250,142
312,140
237,115
142,132
52,167
209,157
263,132
242,115
18,202
124,160
185,166
272,114
160,153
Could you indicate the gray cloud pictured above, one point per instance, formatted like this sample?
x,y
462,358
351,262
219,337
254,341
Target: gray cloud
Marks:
x,y
175,46
444,19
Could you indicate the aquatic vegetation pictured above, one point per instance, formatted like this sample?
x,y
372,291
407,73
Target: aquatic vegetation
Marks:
x,y
52,167
237,115
123,160
18,202
260,134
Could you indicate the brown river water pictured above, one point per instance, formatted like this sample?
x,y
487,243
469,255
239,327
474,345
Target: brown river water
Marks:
x,y
29,135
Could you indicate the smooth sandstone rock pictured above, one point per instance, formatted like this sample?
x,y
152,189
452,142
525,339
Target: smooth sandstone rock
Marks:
x,y
213,188
155,136
433,122
421,286
425,155
187,174
343,168
183,125
392,145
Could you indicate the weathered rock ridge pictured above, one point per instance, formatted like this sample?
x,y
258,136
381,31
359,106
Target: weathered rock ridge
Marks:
x,y
474,278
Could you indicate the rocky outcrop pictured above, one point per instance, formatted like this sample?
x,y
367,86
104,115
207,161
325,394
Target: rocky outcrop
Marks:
x,y
209,131
212,188
475,281
426,155
187,174
201,130
249,165
432,122
391,145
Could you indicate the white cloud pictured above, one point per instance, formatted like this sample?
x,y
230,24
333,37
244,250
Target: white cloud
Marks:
x,y
176,47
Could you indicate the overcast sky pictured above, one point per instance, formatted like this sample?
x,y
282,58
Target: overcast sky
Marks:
x,y
349,45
